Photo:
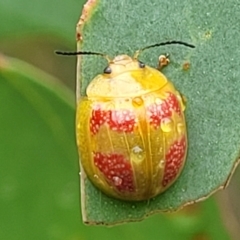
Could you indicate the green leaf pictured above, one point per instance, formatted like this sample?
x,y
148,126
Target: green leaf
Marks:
x,y
35,17
211,86
39,167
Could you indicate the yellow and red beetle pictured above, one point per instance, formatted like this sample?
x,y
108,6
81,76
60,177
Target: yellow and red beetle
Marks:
x,y
131,130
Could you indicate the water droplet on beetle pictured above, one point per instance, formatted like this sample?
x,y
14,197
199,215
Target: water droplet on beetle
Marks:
x,y
117,180
137,102
161,164
180,128
137,154
137,149
158,101
167,125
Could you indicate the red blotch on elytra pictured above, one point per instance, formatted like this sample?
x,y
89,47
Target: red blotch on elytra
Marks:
x,y
121,121
173,103
118,120
174,161
116,169
97,119
163,109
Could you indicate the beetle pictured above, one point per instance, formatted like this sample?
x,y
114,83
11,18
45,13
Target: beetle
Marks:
x,y
130,127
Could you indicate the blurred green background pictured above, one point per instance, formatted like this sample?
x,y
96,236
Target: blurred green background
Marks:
x,y
39,173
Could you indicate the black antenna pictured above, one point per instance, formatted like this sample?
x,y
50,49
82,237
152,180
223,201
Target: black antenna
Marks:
x,y
162,44
82,53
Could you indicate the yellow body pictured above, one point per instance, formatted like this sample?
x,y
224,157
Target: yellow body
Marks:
x,y
131,131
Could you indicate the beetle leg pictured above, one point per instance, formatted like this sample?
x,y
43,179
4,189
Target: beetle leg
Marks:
x,y
163,61
183,100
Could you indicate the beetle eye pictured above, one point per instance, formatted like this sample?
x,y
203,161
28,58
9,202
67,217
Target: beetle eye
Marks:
x,y
141,64
107,70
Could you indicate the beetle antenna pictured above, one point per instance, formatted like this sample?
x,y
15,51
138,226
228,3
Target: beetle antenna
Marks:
x,y
82,53
162,44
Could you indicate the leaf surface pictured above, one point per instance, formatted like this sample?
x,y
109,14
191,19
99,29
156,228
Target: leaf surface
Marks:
x,y
211,86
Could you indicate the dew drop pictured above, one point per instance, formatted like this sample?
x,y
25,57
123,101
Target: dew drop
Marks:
x,y
117,180
137,149
158,101
180,128
137,102
137,154
161,164
167,125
